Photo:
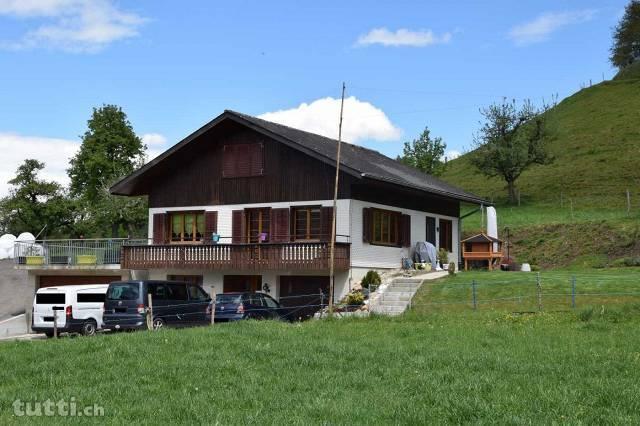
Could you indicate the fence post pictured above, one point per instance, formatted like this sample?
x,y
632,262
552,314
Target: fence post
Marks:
x,y
628,202
573,292
213,305
55,323
539,288
474,295
149,312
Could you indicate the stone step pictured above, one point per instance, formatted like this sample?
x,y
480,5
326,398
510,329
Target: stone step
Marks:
x,y
407,281
396,296
389,310
401,290
389,303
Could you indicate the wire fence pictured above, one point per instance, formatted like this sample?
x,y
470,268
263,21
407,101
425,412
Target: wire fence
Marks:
x,y
530,292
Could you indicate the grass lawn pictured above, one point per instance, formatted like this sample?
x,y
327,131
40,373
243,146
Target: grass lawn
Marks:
x,y
518,292
444,367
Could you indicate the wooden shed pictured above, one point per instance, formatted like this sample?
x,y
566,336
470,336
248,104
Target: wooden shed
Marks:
x,y
483,248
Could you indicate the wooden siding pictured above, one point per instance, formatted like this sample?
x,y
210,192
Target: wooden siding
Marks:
x,y
268,256
194,174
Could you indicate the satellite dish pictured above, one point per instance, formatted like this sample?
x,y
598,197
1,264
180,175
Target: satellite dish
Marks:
x,y
26,237
6,246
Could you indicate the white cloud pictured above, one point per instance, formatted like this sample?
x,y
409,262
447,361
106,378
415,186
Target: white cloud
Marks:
x,y
153,139
541,28
54,152
452,154
402,37
362,120
71,25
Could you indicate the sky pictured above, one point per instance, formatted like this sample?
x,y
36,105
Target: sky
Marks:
x,y
173,66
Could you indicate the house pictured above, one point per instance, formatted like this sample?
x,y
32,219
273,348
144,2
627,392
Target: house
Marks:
x,y
266,191
246,204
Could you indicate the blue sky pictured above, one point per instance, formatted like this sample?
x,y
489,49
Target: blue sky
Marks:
x,y
173,66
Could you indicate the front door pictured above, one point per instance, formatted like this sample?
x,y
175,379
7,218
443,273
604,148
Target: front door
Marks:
x,y
242,283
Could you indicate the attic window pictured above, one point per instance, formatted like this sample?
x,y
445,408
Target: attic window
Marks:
x,y
243,160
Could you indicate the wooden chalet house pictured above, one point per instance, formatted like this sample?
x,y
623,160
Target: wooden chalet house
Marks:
x,y
246,204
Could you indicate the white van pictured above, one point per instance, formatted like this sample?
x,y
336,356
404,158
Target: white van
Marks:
x,y
78,309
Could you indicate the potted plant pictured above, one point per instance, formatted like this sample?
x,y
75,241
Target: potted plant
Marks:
x,y
443,258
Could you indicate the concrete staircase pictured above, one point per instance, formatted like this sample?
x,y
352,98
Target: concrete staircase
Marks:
x,y
395,299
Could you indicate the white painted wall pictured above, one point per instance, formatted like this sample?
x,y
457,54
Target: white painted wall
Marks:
x,y
364,255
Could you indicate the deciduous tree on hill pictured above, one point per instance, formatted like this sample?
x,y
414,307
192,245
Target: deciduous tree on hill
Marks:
x,y
626,37
425,153
510,140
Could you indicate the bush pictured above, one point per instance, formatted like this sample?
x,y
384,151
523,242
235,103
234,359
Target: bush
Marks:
x,y
372,277
354,298
443,256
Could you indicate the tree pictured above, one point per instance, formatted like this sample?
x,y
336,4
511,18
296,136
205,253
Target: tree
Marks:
x,y
34,203
425,153
626,37
510,141
110,150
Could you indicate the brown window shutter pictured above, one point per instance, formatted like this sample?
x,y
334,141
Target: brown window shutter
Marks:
x,y
326,222
405,230
237,227
256,159
367,224
210,225
160,231
279,225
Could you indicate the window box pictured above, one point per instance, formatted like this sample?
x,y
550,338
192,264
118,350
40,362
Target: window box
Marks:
x,y
34,260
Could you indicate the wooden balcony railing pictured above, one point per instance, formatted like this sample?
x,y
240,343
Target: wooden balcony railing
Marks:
x,y
265,256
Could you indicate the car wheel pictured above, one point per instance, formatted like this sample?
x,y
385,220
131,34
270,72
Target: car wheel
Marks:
x,y
158,324
89,328
49,334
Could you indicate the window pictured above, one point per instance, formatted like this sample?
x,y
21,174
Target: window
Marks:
x,y
269,302
177,291
257,223
123,291
242,160
306,223
50,298
196,293
385,227
90,297
158,291
446,235
187,227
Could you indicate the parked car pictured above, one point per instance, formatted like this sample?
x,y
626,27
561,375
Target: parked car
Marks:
x,y
175,304
238,306
78,309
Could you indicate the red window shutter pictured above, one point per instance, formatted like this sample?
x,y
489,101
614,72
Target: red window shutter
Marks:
x,y
405,230
237,227
279,225
367,224
210,225
160,231
326,223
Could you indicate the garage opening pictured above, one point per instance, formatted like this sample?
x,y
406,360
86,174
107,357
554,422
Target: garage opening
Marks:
x,y
60,280
304,294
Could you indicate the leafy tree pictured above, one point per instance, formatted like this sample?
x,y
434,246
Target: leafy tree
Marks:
x,y
425,153
34,203
110,150
510,141
626,37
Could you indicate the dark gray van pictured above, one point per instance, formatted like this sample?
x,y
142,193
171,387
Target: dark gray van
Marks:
x,y
175,304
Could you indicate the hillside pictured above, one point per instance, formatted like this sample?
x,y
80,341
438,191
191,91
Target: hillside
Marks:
x,y
594,137
595,140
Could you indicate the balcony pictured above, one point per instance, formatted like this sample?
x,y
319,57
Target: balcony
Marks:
x,y
80,253
263,256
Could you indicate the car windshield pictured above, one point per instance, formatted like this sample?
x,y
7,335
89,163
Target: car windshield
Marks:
x,y
228,299
123,291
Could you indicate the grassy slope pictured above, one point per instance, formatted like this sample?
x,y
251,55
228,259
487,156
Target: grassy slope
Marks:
x,y
595,140
413,370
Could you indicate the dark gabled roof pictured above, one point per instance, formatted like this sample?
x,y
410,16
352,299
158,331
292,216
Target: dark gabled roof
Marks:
x,y
481,238
355,160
